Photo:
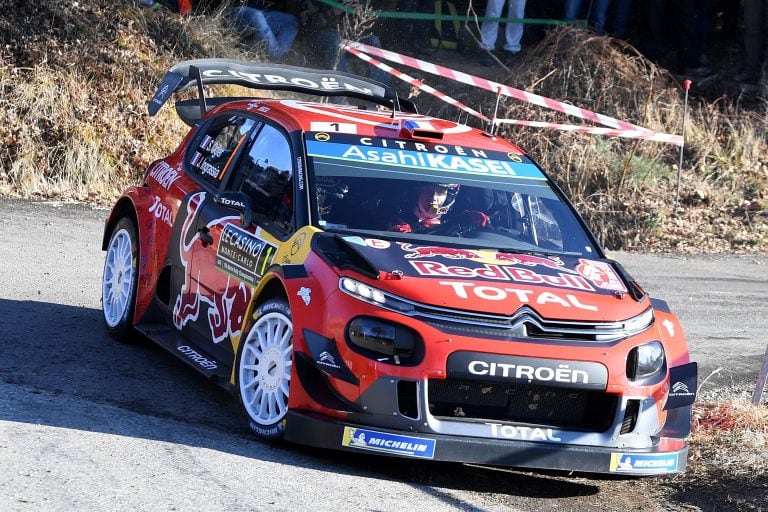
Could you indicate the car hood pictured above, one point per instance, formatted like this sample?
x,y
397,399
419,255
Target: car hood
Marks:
x,y
559,287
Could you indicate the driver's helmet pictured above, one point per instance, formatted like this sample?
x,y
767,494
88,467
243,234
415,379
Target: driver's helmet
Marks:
x,y
435,199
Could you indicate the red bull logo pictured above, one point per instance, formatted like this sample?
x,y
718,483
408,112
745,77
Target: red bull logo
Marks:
x,y
225,311
529,260
601,274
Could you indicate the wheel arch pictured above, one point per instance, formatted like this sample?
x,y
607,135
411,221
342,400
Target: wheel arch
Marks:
x,y
123,208
134,201
272,288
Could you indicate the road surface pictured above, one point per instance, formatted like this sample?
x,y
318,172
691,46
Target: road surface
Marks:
x,y
90,424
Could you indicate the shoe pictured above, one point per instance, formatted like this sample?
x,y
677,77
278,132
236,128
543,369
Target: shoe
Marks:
x,y
701,66
698,71
510,59
748,77
424,51
486,59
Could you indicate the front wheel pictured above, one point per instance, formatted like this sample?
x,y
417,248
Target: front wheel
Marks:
x,y
120,280
264,369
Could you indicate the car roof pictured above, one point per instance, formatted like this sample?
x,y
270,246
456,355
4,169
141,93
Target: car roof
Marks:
x,y
306,116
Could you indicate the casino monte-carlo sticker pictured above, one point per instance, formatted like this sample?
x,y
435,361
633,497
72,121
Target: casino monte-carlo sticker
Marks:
x,y
243,255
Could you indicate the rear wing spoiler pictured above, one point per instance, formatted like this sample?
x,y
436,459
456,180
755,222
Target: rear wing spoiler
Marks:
x,y
202,72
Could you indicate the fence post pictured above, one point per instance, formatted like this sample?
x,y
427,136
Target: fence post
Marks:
x,y
761,378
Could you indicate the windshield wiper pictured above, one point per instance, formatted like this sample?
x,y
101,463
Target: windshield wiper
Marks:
x,y
509,250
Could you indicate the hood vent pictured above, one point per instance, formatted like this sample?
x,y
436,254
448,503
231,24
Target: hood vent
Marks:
x,y
410,129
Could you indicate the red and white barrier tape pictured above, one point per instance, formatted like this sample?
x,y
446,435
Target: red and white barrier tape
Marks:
x,y
416,83
594,130
496,87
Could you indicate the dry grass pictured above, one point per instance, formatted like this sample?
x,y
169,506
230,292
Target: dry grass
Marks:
x,y
626,188
73,121
74,125
729,436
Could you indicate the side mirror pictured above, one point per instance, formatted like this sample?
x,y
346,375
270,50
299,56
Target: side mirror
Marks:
x,y
237,201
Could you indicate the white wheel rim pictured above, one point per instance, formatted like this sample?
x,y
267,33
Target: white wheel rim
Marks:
x,y
265,368
118,278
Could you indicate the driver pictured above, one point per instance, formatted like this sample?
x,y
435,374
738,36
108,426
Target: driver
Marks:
x,y
432,206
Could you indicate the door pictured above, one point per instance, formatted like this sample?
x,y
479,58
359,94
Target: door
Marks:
x,y
228,258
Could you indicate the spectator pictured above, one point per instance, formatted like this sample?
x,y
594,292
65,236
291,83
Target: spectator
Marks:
x,y
414,35
489,30
694,30
755,21
182,6
275,29
597,16
687,25
322,24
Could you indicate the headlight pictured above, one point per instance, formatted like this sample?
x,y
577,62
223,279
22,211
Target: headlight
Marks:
x,y
373,295
611,331
645,360
640,322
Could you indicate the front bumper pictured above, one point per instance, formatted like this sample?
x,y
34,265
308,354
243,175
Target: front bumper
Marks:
x,y
316,430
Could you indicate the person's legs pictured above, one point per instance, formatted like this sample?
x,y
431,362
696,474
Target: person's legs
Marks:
x,y
514,31
489,30
694,19
654,43
572,9
376,73
754,42
597,15
253,22
284,28
621,10
327,44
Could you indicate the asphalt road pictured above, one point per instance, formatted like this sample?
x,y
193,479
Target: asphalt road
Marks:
x,y
89,424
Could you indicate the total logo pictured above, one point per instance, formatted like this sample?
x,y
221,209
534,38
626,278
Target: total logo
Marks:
x,y
523,433
465,290
161,212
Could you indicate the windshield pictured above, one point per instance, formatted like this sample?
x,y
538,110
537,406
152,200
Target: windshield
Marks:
x,y
438,194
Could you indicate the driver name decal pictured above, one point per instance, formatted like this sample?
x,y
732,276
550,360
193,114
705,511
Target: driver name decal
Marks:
x,y
243,255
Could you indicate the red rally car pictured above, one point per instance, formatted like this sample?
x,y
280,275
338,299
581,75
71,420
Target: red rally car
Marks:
x,y
370,279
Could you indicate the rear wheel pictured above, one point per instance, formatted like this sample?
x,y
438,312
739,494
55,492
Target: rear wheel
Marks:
x,y
264,369
119,282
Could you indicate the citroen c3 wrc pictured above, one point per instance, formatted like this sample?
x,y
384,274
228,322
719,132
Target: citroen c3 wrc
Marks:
x,y
365,278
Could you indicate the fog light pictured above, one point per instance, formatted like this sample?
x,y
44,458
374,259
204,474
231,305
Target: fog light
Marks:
x,y
645,360
381,337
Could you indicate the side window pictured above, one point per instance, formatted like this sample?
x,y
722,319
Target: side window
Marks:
x,y
266,175
215,147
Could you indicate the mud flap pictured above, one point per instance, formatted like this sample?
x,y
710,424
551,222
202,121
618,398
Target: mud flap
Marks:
x,y
682,386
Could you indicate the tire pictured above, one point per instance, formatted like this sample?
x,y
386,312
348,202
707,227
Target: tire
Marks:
x,y
120,280
264,366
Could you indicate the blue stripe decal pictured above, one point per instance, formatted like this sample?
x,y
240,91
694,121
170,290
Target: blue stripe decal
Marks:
x,y
437,163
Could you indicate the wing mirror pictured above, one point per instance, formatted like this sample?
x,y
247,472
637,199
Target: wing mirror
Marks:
x,y
238,201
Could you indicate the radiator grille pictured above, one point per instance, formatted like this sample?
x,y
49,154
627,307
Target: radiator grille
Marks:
x,y
588,411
